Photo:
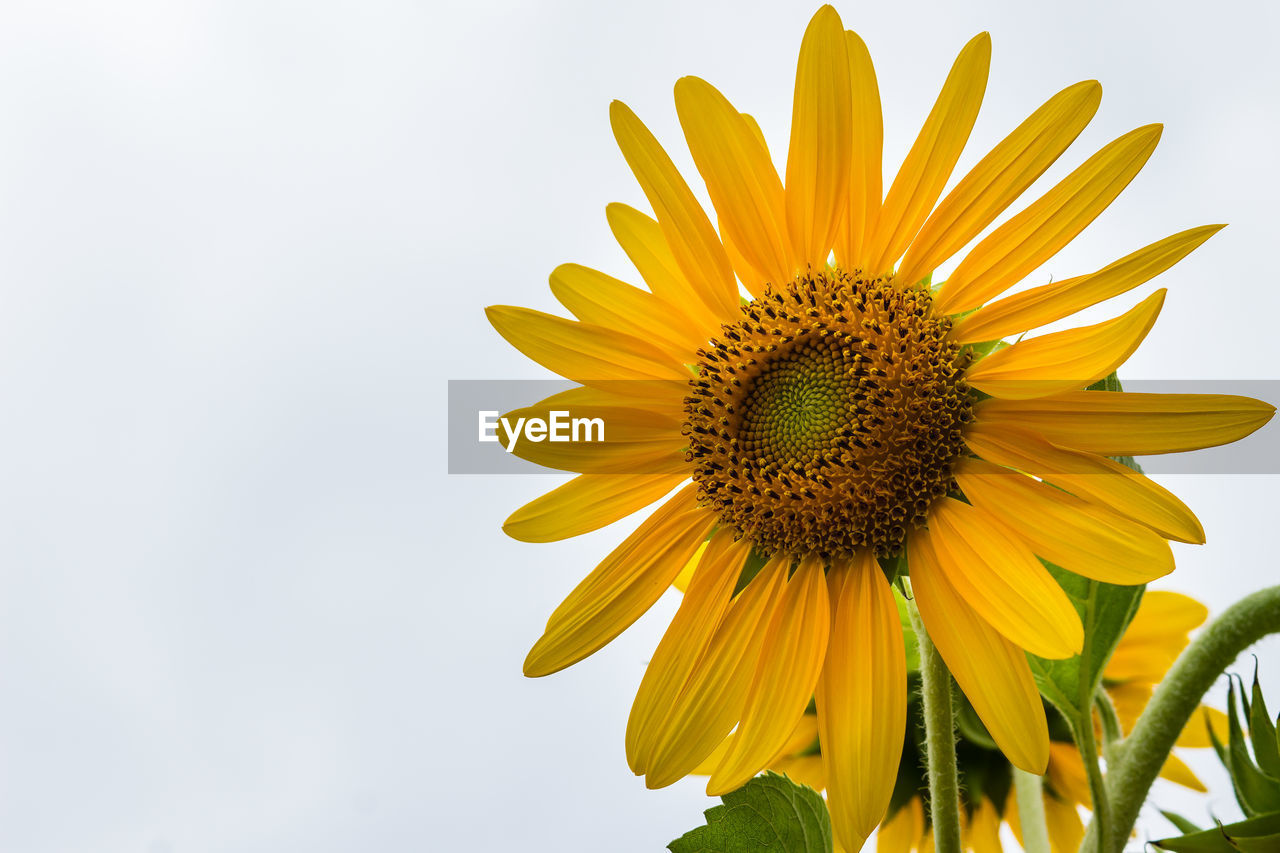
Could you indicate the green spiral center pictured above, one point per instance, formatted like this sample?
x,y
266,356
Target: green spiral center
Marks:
x,y
798,405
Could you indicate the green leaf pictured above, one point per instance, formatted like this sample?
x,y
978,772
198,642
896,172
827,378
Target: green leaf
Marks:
x,y
1184,825
1262,732
1105,612
1255,835
769,814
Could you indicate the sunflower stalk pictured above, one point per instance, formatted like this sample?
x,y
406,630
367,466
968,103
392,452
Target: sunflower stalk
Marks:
x,y
1101,805
940,739
1175,700
1111,730
1028,788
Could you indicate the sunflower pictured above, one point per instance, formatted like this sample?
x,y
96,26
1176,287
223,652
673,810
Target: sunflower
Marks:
x,y
1151,643
827,418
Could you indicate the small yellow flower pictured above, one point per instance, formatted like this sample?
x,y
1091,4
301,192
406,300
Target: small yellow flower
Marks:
x,y
845,410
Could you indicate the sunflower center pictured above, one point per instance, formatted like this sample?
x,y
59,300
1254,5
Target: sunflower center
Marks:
x,y
828,417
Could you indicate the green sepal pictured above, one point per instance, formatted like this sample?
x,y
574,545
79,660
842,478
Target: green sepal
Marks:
x,y
769,814
1255,835
909,641
1262,732
1184,826
1255,792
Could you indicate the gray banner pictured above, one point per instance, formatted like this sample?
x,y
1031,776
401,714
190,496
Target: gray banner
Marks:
x,y
572,432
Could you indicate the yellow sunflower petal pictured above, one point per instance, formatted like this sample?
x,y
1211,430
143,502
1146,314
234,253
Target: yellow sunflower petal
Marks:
x,y
821,137
740,178
1066,829
1095,478
754,127
1164,615
641,237
1065,530
1042,305
804,737
752,279
1177,771
688,232
1160,630
1064,361
664,397
796,760
712,761
790,660
1036,234
992,672
1001,176
1066,773
711,700
865,163
1146,662
803,770
1129,699
1001,579
585,503
984,829
684,642
622,587
683,579
1196,733
582,352
1123,423
899,833
928,164
603,300
861,701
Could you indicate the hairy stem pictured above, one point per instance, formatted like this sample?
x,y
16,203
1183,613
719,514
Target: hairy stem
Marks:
x,y
1111,731
1144,752
1101,804
1035,830
940,738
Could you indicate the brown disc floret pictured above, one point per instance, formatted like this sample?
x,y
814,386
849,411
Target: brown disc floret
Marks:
x,y
828,417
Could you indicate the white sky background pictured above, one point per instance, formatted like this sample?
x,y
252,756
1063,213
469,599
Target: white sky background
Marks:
x,y
242,247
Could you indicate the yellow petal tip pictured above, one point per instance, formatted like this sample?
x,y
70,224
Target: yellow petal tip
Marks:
x,y
827,16
537,664
692,86
532,669
515,528
618,111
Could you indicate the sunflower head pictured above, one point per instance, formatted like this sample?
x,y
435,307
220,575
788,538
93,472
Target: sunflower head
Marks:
x,y
827,418
803,398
